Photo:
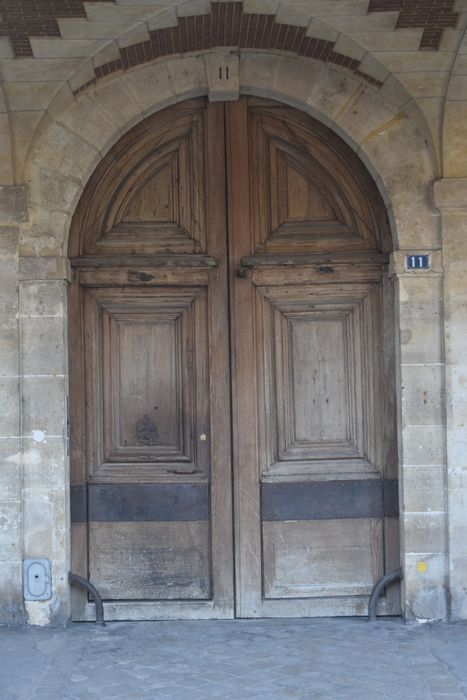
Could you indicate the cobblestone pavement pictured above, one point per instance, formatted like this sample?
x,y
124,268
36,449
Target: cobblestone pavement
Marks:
x,y
306,659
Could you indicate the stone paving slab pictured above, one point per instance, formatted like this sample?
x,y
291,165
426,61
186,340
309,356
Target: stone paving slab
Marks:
x,y
306,659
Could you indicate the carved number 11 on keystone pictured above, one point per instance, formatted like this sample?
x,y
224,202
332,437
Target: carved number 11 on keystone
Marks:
x,y
418,262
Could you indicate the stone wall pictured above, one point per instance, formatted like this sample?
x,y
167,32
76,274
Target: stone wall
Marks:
x,y
44,458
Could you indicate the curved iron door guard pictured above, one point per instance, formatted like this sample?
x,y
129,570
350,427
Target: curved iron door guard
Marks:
x,y
84,583
384,581
378,588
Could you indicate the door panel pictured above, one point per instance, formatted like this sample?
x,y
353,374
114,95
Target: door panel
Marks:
x,y
154,201
319,358
303,187
311,431
150,560
321,558
151,479
148,380
265,325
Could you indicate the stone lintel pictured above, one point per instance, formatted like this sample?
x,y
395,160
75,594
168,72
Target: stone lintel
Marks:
x,y
398,263
450,195
222,75
13,203
31,268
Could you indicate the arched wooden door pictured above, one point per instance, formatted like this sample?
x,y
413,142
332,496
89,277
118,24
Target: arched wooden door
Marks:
x,y
233,442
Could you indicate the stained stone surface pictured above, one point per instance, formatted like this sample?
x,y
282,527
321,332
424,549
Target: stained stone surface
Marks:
x,y
340,659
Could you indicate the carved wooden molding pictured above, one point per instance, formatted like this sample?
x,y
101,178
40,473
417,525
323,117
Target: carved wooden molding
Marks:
x,y
148,204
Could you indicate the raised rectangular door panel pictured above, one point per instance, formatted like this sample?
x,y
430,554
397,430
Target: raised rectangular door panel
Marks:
x,y
151,560
321,558
147,382
319,364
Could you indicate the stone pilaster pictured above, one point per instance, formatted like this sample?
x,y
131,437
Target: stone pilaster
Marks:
x,y
422,437
44,390
451,200
12,210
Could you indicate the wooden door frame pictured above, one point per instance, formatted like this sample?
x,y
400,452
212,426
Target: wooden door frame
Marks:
x,y
243,348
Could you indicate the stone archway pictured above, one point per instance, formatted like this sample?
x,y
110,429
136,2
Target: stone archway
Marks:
x,y
388,135
393,146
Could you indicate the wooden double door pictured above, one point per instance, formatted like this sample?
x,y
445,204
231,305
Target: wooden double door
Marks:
x,y
233,449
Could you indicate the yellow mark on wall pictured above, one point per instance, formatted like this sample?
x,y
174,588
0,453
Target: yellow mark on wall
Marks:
x,y
353,98
422,567
383,127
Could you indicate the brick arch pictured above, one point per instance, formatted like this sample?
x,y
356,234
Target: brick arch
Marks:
x,y
227,25
390,143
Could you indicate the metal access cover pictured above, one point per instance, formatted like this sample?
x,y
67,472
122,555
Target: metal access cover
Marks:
x,y
37,579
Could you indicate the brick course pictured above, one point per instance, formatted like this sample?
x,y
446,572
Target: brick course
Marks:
x,y
227,25
21,19
433,16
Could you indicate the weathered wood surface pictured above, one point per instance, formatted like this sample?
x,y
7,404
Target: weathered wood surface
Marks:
x,y
150,560
278,307
151,409
321,558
